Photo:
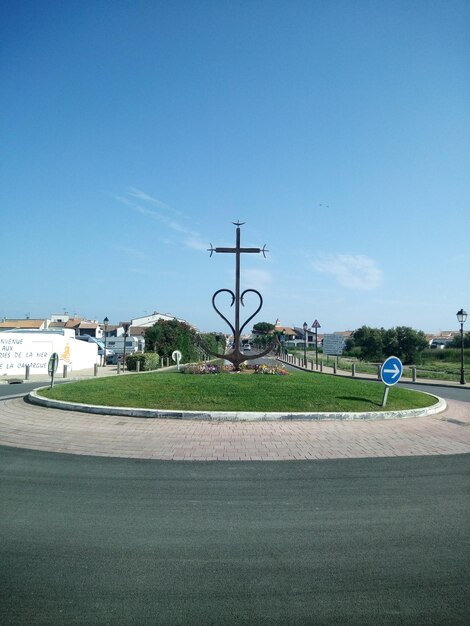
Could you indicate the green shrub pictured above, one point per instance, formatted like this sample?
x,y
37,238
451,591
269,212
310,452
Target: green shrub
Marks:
x,y
148,361
450,355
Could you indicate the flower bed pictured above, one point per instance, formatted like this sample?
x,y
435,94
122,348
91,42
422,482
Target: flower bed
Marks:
x,y
219,368
273,370
203,368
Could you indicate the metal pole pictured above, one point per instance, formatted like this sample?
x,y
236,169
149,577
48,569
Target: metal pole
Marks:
x,y
316,348
105,342
237,292
124,355
462,370
305,349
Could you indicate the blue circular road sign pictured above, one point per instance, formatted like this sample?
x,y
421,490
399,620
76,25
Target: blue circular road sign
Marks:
x,y
391,371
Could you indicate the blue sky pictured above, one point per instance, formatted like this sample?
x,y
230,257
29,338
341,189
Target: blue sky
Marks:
x,y
134,133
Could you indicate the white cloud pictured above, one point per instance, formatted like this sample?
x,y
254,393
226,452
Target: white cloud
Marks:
x,y
141,195
196,243
255,279
352,271
189,238
138,254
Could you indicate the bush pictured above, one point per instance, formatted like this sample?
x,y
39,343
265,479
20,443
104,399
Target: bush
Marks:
x,y
449,355
354,352
148,361
165,336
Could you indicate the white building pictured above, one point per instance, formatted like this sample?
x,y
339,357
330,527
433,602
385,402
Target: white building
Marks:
x,y
19,348
149,320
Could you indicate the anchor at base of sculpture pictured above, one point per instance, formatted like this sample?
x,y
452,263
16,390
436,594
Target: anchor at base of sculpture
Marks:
x,y
236,357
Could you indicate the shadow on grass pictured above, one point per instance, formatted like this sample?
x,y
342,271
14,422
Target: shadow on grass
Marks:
x,y
357,399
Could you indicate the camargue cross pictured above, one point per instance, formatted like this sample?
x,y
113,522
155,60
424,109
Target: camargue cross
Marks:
x,y
236,357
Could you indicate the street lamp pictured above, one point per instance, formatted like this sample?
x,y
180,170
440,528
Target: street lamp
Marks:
x,y
126,329
305,343
461,317
105,322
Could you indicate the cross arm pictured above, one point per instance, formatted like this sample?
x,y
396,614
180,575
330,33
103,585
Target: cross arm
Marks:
x,y
255,250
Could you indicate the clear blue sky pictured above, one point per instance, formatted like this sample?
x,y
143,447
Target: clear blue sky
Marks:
x,y
133,133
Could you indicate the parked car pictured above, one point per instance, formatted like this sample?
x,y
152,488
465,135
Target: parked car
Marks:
x,y
100,344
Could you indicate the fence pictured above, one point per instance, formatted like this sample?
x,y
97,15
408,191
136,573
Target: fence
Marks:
x,y
354,367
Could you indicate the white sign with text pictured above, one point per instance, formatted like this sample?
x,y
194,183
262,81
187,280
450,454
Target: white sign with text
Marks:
x,y
19,349
333,344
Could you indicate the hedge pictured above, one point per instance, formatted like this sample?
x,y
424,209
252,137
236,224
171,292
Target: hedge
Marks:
x,y
148,361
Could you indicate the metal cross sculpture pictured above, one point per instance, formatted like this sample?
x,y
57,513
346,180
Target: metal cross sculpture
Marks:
x,y
236,357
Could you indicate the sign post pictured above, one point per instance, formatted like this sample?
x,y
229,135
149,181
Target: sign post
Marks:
x,y
390,373
333,344
176,356
316,326
52,366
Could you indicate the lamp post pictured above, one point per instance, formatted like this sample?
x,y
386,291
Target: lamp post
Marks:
x,y
283,342
105,322
126,329
461,317
305,326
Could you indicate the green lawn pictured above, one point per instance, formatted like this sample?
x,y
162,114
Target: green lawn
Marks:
x,y
299,391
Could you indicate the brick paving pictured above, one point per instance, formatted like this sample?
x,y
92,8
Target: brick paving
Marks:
x,y
26,426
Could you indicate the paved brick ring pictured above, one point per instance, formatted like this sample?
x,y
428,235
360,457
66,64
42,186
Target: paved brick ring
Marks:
x,y
29,426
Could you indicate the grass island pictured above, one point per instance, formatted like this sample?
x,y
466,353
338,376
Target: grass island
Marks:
x,y
296,392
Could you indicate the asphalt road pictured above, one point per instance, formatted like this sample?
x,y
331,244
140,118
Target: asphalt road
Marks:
x,y
462,394
89,540
21,389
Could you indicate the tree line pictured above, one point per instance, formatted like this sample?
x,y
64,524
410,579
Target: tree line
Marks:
x,y
377,344
365,343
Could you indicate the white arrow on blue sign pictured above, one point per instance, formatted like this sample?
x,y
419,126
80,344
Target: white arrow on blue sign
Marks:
x,y
391,371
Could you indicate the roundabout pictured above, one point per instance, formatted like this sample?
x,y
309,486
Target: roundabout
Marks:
x,y
97,429
130,520
24,425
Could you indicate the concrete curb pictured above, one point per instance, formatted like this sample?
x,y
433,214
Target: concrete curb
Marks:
x,y
233,416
